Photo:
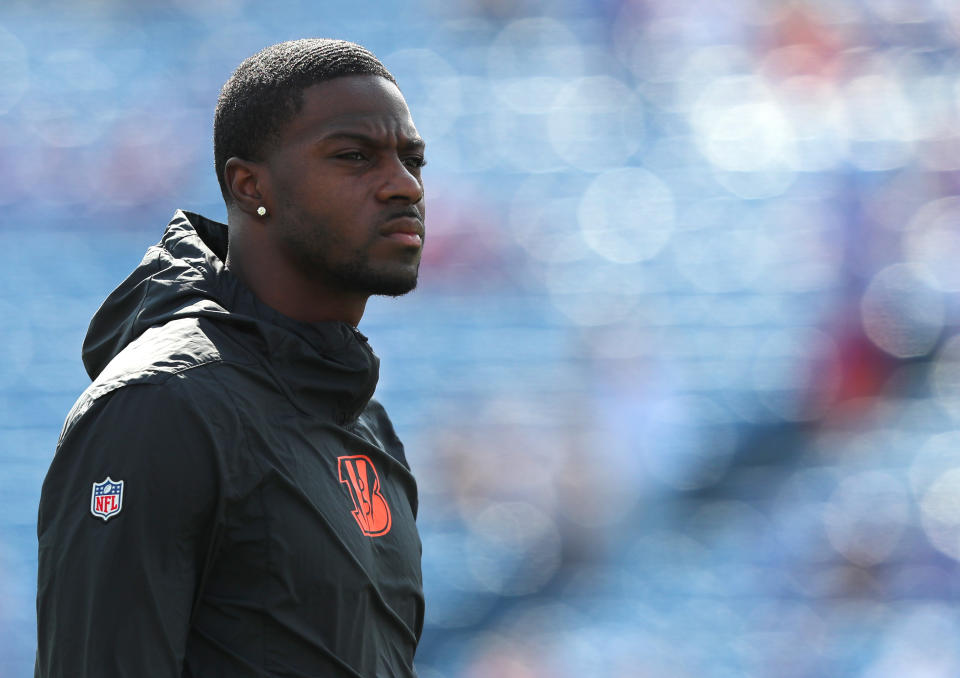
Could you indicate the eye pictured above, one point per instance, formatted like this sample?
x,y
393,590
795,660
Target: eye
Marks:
x,y
417,161
352,155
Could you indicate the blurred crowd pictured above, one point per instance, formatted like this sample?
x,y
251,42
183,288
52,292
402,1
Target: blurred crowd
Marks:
x,y
680,384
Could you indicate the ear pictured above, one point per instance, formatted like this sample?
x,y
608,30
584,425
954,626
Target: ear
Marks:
x,y
247,183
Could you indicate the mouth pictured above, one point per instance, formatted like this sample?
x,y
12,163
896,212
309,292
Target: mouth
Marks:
x,y
404,227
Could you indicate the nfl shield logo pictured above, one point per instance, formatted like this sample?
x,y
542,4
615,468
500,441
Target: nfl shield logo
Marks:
x,y
106,498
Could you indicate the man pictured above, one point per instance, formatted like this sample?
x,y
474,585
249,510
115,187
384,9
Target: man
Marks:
x,y
226,499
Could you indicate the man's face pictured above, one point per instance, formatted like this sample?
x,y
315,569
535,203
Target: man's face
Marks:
x,y
348,196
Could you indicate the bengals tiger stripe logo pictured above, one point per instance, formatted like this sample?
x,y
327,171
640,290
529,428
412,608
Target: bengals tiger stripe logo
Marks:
x,y
370,507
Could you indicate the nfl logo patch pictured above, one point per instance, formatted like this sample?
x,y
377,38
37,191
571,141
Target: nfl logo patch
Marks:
x,y
106,498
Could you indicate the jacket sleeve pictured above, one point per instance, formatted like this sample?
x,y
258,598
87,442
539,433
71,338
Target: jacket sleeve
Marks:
x,y
115,592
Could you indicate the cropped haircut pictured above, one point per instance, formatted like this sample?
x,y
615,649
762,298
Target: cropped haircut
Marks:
x,y
266,92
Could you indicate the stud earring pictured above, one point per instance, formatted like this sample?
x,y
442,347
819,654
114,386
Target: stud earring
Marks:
x,y
262,211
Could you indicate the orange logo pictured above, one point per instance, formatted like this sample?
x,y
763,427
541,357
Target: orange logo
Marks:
x,y
370,508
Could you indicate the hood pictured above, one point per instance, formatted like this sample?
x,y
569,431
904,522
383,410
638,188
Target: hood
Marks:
x,y
183,276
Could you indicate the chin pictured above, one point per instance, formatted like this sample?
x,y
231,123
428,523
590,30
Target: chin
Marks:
x,y
374,282
395,288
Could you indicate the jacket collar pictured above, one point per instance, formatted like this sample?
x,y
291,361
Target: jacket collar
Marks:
x,y
326,364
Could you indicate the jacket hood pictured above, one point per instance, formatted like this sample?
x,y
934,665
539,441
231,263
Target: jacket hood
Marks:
x,y
183,276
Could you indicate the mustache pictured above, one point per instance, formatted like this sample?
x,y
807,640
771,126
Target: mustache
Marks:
x,y
409,211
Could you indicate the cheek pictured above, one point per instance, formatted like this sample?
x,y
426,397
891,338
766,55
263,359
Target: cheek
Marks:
x,y
300,179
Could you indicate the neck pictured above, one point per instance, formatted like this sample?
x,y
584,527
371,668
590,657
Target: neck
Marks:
x,y
276,282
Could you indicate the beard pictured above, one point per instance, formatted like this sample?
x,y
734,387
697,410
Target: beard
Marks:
x,y
314,252
357,275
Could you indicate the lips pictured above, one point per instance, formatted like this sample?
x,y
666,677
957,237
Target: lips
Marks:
x,y
405,227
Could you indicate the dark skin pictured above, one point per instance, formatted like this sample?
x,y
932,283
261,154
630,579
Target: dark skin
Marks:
x,y
344,198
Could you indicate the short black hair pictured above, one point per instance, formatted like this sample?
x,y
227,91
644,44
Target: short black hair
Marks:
x,y
266,92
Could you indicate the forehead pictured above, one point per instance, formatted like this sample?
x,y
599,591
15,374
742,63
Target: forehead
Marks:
x,y
352,103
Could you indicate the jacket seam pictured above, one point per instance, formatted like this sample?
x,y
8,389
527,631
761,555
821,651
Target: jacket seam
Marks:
x,y
166,375
146,291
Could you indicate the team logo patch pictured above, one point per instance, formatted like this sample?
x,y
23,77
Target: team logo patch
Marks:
x,y
106,499
370,508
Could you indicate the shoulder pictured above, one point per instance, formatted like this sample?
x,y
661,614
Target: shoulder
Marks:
x,y
163,353
176,366
155,425
160,414
159,353
147,410
374,417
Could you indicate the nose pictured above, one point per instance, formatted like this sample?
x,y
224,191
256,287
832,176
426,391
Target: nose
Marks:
x,y
400,184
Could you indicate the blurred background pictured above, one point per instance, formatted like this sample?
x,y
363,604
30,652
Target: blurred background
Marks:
x,y
680,384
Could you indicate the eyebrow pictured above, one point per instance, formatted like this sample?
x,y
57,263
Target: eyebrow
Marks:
x,y
415,143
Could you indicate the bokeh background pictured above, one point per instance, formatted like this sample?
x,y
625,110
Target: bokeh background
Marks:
x,y
680,383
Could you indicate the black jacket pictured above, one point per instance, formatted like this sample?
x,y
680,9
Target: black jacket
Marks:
x,y
226,500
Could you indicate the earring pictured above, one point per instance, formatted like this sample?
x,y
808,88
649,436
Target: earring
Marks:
x,y
262,211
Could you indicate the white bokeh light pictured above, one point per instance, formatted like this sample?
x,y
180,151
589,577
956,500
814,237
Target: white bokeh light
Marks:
x,y
431,87
945,376
530,59
932,241
938,455
627,215
901,313
937,115
522,140
513,549
596,123
879,123
741,129
543,217
722,247
740,126
866,516
940,507
917,642
593,291
812,107
705,66
535,46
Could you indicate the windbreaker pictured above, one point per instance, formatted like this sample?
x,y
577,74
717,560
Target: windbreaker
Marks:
x,y
226,499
